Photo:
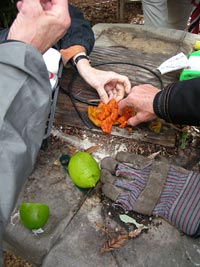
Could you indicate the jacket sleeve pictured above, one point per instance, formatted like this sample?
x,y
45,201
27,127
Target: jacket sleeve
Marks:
x,y
79,33
178,103
78,38
24,107
3,34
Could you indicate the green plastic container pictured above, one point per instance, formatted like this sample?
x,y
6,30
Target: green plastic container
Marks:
x,y
193,71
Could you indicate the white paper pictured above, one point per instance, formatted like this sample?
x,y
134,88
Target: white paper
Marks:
x,y
52,59
177,62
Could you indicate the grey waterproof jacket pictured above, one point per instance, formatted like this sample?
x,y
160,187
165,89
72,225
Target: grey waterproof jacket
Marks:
x,y
25,94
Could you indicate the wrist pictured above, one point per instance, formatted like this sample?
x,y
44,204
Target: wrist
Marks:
x,y
80,60
82,64
79,56
69,53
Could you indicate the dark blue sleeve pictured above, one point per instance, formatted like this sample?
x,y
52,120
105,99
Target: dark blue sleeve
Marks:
x,y
79,33
3,34
178,103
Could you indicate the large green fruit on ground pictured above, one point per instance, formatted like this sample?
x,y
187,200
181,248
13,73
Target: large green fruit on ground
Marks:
x,y
83,170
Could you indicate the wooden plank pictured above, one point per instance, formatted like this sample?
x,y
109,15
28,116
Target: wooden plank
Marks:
x,y
66,114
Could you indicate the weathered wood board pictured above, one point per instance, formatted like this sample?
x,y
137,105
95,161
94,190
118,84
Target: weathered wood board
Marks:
x,y
148,50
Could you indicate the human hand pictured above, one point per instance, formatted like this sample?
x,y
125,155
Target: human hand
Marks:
x,y
108,84
141,99
40,23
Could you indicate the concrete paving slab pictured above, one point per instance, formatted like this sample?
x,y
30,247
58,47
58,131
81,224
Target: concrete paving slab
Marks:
x,y
163,245
81,241
47,184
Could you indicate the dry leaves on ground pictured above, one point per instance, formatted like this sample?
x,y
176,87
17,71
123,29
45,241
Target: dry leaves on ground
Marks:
x,y
116,239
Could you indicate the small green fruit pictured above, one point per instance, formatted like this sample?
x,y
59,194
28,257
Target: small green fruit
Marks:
x,y
33,215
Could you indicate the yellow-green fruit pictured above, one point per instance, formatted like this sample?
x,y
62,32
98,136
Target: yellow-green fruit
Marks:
x,y
83,170
33,215
196,46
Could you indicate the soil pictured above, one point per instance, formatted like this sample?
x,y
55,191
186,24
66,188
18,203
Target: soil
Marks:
x,y
106,11
11,260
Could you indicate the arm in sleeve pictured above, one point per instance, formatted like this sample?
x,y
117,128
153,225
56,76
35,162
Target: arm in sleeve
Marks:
x,y
24,107
78,38
3,34
178,103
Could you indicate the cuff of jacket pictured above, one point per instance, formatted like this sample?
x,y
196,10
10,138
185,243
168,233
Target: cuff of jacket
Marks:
x,y
10,41
70,52
161,103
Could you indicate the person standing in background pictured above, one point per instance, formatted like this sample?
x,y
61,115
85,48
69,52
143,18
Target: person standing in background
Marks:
x,y
171,14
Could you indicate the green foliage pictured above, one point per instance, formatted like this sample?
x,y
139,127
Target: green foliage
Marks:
x,y
8,12
184,137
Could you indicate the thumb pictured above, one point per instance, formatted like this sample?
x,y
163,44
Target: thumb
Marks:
x,y
122,105
134,121
141,117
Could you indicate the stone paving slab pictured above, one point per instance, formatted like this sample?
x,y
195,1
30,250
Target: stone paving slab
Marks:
x,y
47,184
162,246
81,242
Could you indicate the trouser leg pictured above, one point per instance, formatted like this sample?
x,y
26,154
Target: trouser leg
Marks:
x,y
178,13
155,13
167,14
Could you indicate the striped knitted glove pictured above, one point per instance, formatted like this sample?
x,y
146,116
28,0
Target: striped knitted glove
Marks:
x,y
153,188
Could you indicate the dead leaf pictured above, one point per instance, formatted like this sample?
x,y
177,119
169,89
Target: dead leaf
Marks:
x,y
92,149
154,155
136,232
114,243
155,126
72,151
56,163
116,239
